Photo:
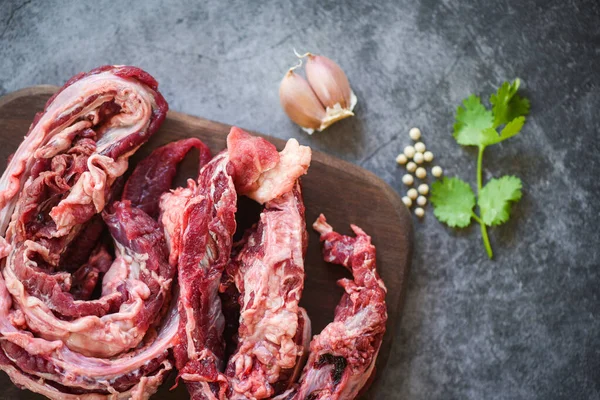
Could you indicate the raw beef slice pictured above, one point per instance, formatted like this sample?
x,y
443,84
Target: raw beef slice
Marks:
x,y
76,321
342,357
199,223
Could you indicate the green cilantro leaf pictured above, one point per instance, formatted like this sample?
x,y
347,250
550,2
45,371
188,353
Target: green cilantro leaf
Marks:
x,y
495,199
453,201
509,130
507,104
472,123
512,128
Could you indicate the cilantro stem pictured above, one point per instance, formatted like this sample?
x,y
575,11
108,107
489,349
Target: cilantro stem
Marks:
x,y
484,234
486,240
479,168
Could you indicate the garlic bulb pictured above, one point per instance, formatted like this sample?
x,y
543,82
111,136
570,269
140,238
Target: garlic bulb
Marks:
x,y
322,100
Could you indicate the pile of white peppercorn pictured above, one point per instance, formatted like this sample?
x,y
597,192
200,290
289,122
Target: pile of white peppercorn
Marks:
x,y
414,159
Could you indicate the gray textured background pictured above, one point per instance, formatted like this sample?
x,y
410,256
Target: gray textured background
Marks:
x,y
525,326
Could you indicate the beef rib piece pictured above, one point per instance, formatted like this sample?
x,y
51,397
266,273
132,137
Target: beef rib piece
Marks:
x,y
342,357
268,272
199,221
56,196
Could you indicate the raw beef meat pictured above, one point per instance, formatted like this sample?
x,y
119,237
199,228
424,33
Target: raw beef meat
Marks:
x,y
154,174
342,357
59,338
268,272
199,222
87,132
258,173
207,225
83,319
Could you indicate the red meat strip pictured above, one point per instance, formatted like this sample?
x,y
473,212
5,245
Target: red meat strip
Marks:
x,y
269,274
199,224
86,277
153,175
342,357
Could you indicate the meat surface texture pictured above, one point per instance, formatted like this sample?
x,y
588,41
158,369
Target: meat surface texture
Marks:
x,y
77,322
342,357
153,175
199,221
268,272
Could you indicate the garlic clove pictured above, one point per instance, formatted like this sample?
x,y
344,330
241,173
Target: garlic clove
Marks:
x,y
330,83
300,102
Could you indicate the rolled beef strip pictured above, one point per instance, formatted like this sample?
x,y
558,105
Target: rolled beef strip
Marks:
x,y
77,322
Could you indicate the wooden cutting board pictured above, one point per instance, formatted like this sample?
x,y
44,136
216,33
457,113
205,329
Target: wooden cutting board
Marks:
x,y
344,192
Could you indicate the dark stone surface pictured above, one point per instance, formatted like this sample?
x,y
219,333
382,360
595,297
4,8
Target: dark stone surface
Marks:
x,y
524,326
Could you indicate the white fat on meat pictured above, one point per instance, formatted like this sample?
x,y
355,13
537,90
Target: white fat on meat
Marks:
x,y
272,282
133,97
89,189
142,390
91,335
171,217
294,161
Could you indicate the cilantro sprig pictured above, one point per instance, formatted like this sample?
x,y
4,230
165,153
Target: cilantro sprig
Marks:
x,y
475,125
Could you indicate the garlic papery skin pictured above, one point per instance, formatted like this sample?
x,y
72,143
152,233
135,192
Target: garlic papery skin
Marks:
x,y
300,102
331,85
334,114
